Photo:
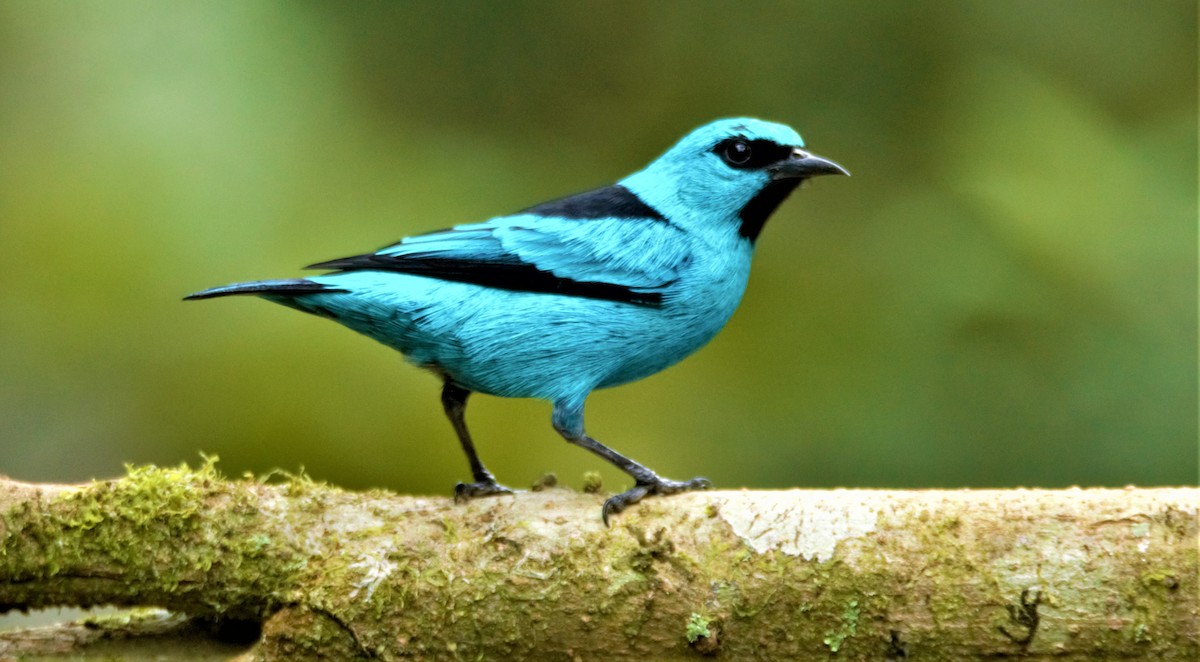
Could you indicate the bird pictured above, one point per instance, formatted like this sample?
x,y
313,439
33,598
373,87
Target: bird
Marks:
x,y
580,293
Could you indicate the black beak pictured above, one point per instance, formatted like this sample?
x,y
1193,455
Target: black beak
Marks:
x,y
802,165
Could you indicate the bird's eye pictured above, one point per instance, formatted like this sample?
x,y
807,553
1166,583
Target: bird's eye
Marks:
x,y
737,153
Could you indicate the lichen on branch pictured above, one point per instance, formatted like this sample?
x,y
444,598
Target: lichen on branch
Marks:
x,y
787,574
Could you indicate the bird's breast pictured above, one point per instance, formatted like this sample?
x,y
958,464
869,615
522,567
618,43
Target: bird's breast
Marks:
x,y
694,309
709,291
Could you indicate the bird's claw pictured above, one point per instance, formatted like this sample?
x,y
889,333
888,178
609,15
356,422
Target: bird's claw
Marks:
x,y
466,491
641,490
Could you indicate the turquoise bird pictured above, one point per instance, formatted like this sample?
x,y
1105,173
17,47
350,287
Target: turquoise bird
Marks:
x,y
590,291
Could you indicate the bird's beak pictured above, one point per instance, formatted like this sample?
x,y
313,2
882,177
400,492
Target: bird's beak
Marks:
x,y
802,165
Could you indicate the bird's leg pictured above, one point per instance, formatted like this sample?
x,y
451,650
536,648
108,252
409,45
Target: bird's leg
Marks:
x,y
454,401
568,421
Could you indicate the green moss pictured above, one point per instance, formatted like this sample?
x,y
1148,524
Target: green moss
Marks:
x,y
848,628
300,633
697,626
545,481
1163,578
592,482
621,580
120,620
158,529
157,508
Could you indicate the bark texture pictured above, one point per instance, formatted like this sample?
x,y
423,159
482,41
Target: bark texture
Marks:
x,y
800,574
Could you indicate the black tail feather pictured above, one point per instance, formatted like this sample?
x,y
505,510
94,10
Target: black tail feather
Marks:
x,y
294,286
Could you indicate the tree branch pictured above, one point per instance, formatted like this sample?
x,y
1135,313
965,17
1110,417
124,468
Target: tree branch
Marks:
x,y
1068,574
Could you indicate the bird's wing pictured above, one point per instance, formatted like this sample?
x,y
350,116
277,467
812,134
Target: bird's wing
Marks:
x,y
587,245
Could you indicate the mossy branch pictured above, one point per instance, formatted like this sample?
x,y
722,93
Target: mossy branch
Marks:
x,y
1068,574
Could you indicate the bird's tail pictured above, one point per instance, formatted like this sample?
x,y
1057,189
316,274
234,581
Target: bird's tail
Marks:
x,y
285,287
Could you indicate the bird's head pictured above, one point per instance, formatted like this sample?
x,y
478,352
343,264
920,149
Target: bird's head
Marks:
x,y
730,173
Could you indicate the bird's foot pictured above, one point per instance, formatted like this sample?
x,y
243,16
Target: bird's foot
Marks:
x,y
643,489
480,488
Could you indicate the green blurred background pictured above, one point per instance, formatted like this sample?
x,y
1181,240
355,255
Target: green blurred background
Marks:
x,y
1004,293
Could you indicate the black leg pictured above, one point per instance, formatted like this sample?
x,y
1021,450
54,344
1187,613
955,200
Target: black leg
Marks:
x,y
454,401
568,421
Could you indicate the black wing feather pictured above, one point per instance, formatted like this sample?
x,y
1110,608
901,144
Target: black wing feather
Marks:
x,y
442,254
512,275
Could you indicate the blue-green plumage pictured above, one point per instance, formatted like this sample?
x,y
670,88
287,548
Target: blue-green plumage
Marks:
x,y
580,293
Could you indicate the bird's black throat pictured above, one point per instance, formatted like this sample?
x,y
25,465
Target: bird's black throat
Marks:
x,y
755,213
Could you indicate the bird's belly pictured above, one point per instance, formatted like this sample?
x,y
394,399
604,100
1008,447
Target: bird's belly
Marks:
x,y
553,346
524,344
674,337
